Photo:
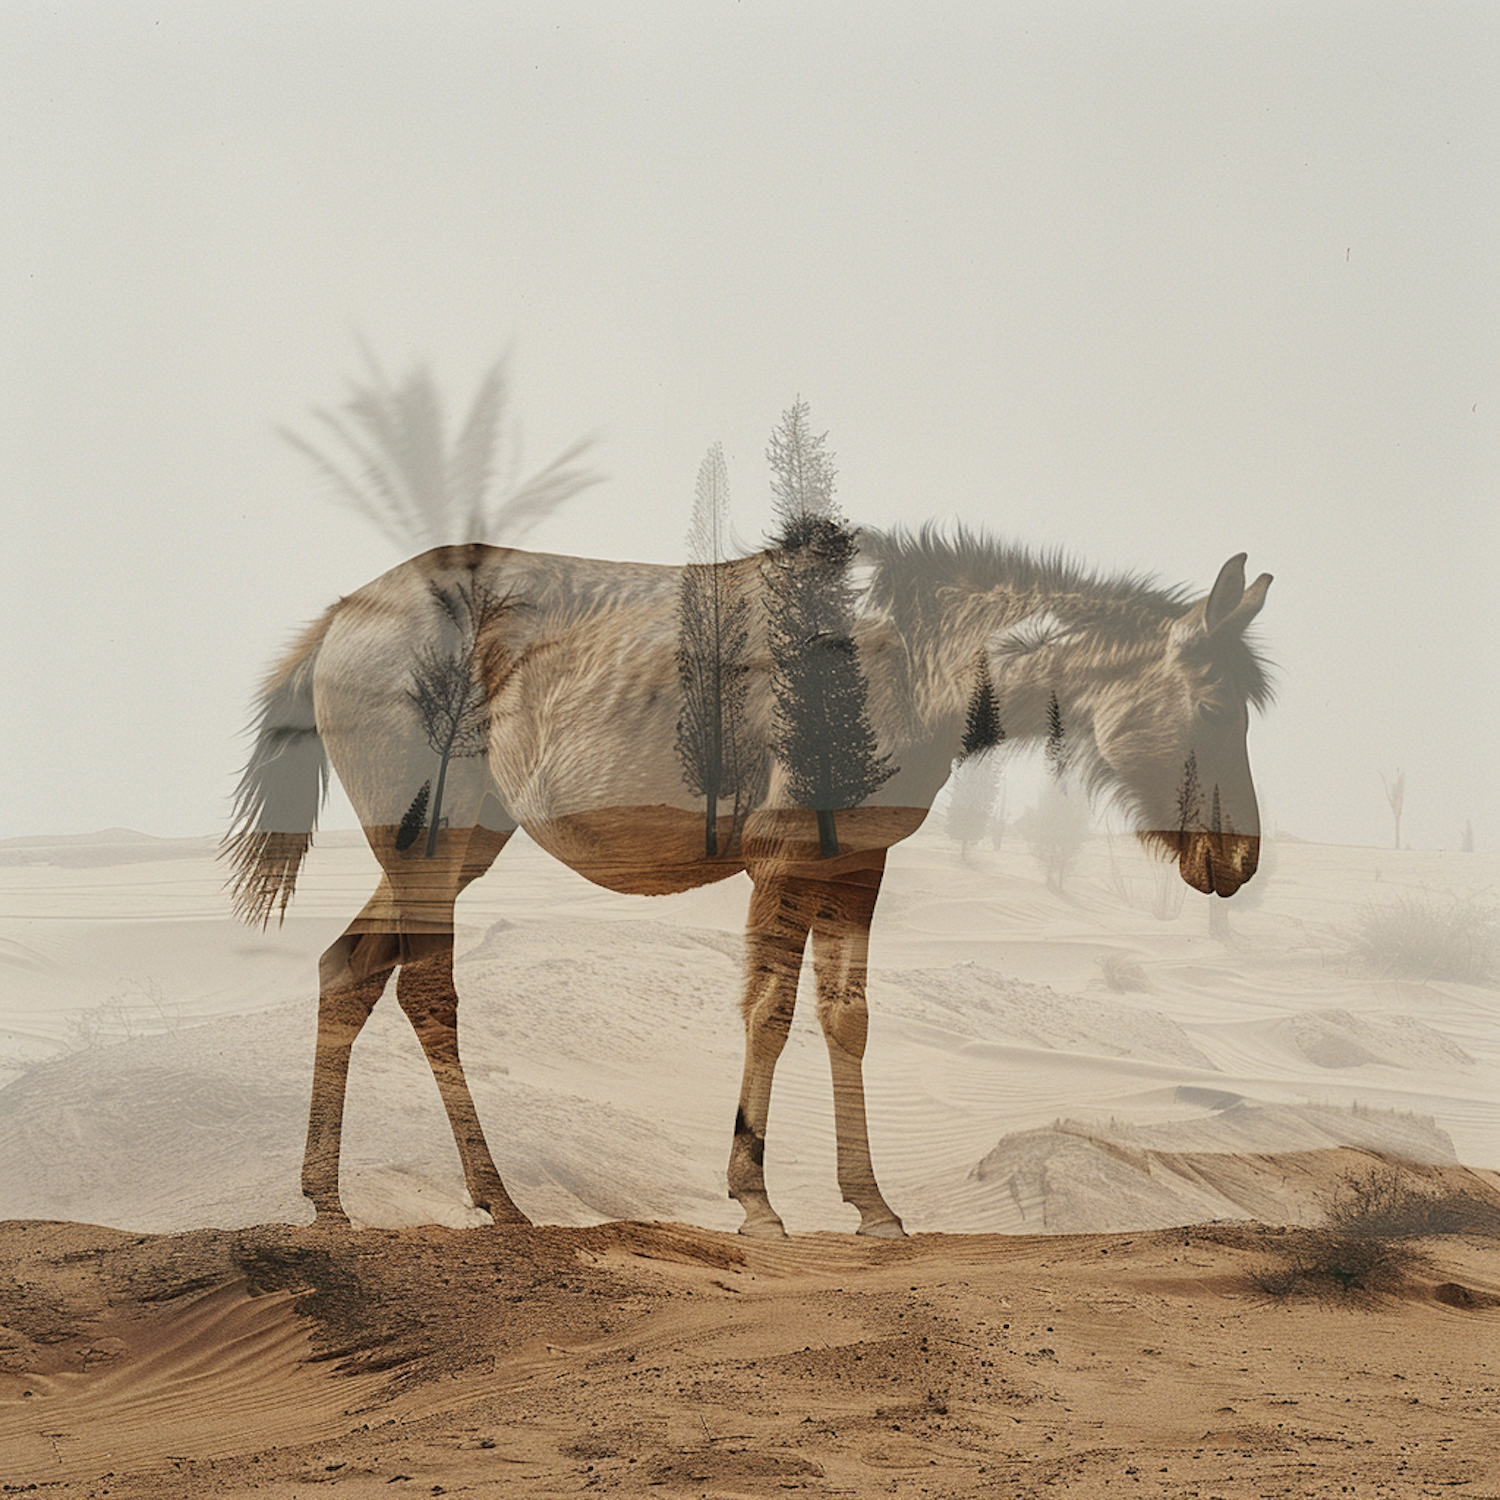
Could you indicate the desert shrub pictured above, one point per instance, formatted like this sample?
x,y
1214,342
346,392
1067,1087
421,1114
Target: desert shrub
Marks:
x,y
1384,1203
1421,937
1123,974
1364,1244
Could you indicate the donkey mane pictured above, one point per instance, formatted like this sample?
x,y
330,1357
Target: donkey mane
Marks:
x,y
1053,598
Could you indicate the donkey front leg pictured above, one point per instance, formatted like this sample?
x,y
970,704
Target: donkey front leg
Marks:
x,y
774,942
841,945
353,975
426,993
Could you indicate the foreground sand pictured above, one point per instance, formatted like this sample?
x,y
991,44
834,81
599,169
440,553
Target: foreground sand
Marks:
x,y
657,1359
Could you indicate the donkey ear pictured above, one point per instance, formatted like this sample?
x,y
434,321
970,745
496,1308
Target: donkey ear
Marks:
x,y
1248,607
1224,597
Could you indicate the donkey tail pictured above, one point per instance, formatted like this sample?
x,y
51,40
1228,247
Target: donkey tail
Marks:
x,y
281,788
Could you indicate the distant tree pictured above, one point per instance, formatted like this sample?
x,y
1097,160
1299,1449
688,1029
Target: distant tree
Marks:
x,y
973,787
1055,829
447,690
1189,799
1395,794
713,634
1467,846
822,732
1056,752
982,727
401,471
976,774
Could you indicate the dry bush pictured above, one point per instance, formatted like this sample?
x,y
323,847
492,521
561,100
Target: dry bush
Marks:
x,y
1421,937
1124,975
1365,1244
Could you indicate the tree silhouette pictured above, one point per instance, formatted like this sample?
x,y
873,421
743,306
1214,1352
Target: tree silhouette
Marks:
x,y
1189,800
713,633
976,778
446,688
1057,753
821,732
1395,794
400,470
982,725
413,818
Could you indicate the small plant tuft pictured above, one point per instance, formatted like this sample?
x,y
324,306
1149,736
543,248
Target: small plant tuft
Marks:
x,y
1364,1244
1421,937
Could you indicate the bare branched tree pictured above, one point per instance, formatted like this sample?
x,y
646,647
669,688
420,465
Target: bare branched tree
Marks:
x,y
713,638
395,464
1395,794
448,692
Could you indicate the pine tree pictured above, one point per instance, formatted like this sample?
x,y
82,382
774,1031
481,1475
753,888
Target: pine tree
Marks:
x,y
413,818
446,686
822,731
982,726
713,634
1057,746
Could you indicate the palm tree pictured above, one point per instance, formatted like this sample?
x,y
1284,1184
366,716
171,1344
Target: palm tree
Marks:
x,y
402,472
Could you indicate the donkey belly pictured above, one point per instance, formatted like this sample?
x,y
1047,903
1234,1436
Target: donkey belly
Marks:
x,y
641,851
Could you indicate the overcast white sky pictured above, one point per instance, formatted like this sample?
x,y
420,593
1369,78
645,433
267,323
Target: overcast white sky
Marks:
x,y
1159,282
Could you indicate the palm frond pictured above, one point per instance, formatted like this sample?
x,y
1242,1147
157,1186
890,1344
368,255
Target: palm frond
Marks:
x,y
390,460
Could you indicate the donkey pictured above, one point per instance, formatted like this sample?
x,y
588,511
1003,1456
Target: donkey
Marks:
x,y
558,700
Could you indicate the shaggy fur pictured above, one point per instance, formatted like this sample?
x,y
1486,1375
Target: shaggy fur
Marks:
x,y
579,676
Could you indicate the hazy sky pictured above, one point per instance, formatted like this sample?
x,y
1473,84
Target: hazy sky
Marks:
x,y
1158,282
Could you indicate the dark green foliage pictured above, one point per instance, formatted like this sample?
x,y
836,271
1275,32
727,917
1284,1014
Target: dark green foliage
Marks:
x,y
982,727
414,817
1057,755
822,732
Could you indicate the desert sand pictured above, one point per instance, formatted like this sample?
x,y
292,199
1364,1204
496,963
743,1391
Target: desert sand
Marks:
x,y
1058,1080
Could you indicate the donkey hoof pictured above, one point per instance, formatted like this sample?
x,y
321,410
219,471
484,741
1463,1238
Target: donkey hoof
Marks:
x,y
328,1215
763,1227
884,1229
505,1215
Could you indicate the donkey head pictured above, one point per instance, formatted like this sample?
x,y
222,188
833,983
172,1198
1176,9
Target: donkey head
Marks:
x,y
1177,741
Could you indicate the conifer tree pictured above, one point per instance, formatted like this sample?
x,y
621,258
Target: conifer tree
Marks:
x,y
1057,746
713,633
413,818
822,730
982,726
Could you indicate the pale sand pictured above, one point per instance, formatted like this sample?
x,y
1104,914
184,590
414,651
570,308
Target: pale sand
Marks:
x,y
1011,1089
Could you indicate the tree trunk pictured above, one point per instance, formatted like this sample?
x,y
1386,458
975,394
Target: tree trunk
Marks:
x,y
828,836
437,806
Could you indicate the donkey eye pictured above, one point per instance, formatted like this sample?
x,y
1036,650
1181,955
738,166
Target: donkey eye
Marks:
x,y
1210,712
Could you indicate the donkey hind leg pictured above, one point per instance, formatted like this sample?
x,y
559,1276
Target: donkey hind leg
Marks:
x,y
775,938
426,993
352,976
841,945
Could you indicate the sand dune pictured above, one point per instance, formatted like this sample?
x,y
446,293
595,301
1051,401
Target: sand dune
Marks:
x,y
1068,1063
640,1359
601,1040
